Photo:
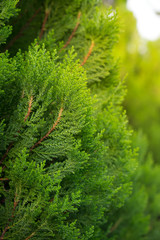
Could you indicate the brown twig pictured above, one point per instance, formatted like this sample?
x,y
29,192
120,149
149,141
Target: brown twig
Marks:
x,y
49,132
51,200
16,201
88,54
30,236
4,231
4,179
44,23
29,108
73,32
22,29
12,216
116,225
22,94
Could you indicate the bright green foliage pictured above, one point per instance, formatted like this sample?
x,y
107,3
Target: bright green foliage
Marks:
x,y
66,154
8,91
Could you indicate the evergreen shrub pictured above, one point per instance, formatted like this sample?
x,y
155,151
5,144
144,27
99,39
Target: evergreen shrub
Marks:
x,y
66,156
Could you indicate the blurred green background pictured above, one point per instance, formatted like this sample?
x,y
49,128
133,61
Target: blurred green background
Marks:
x,y
140,67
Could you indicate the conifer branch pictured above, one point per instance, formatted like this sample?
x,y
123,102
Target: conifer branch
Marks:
x,y
30,236
16,201
88,54
49,132
4,231
22,29
12,216
29,108
116,225
44,23
73,32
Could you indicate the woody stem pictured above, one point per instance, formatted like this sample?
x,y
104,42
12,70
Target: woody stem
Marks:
x,y
49,132
73,32
88,54
44,23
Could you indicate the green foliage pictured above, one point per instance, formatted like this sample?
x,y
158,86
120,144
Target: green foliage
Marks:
x,y
69,166
98,28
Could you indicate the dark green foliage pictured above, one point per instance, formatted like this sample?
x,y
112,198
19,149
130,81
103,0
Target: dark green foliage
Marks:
x,y
66,155
25,26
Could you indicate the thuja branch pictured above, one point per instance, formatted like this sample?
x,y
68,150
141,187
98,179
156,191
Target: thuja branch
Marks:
x,y
22,29
16,201
29,108
30,236
88,54
4,231
44,23
49,132
115,226
73,32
